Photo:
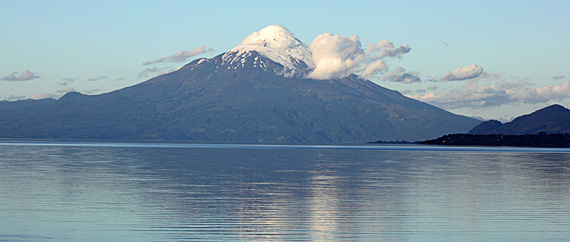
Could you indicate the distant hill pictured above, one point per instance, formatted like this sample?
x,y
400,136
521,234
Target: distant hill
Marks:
x,y
527,140
253,93
551,120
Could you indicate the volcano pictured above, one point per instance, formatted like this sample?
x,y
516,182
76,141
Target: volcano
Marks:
x,y
258,92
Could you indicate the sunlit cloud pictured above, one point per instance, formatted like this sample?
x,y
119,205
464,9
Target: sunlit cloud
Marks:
x,y
399,74
475,96
374,68
42,95
338,56
387,49
463,73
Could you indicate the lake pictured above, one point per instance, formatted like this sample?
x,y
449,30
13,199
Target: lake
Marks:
x,y
56,191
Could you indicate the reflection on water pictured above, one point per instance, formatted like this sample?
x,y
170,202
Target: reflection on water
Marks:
x,y
121,193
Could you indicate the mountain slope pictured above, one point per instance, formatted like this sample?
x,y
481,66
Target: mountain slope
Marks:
x,y
552,119
254,93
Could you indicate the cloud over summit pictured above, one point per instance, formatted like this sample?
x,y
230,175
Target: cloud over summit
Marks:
x,y
338,56
335,56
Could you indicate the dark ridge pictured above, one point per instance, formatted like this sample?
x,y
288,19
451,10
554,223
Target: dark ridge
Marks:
x,y
551,120
528,140
484,127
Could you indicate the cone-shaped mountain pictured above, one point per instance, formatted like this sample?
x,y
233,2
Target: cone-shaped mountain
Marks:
x,y
255,92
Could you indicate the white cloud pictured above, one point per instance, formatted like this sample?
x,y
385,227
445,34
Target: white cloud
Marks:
x,y
474,96
181,55
374,68
387,49
335,56
25,76
463,73
42,95
398,74
543,94
338,56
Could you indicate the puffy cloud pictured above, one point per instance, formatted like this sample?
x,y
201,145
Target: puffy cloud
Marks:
x,y
475,96
387,49
338,56
335,56
25,76
374,68
42,95
398,74
490,77
463,73
181,55
543,94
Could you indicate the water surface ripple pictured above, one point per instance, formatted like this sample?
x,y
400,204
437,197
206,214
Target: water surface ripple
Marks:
x,y
212,192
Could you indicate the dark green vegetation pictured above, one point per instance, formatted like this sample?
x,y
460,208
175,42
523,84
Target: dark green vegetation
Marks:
x,y
547,127
528,140
393,142
210,100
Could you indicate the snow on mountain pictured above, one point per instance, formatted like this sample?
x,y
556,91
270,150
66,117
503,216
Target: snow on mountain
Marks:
x,y
329,56
277,44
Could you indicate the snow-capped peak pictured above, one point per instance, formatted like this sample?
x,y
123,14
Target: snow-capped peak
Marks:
x,y
279,45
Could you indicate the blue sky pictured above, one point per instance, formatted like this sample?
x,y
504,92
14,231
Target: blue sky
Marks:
x,y
504,58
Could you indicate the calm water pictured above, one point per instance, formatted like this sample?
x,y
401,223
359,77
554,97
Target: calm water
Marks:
x,y
181,192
